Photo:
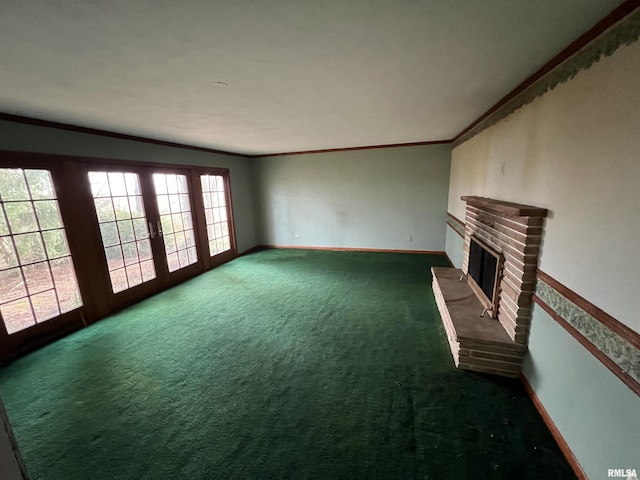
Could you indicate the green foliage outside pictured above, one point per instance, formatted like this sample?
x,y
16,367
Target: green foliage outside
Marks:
x,y
27,198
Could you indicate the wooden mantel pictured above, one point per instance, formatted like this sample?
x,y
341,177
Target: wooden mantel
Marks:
x,y
501,208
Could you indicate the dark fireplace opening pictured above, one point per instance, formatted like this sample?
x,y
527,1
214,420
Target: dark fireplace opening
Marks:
x,y
485,267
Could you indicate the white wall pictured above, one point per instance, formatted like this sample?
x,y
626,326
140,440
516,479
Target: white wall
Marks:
x,y
575,151
30,138
375,198
454,247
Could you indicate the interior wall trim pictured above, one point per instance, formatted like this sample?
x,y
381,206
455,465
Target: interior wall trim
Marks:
x,y
620,27
123,136
13,157
564,446
349,149
106,133
350,249
455,219
603,317
614,344
456,224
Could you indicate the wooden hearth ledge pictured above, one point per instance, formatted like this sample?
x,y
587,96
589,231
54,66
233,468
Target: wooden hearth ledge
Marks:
x,y
478,343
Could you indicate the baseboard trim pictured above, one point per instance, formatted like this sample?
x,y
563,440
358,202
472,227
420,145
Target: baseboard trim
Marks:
x,y
564,447
353,249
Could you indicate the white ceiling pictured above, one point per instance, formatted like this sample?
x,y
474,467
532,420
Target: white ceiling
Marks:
x,y
301,74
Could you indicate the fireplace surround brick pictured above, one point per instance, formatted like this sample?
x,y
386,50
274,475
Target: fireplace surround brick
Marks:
x,y
515,232
517,237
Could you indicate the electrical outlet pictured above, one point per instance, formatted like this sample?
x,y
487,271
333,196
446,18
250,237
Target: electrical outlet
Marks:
x,y
295,235
410,238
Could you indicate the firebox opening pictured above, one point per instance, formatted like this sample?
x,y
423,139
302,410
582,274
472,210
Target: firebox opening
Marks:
x,y
484,271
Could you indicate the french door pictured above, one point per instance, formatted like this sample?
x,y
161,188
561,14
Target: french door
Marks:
x,y
147,229
81,239
37,274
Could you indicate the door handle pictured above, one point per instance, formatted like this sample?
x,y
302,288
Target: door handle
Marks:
x,y
159,228
152,232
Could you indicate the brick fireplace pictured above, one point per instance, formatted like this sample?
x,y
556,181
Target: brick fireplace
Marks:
x,y
479,342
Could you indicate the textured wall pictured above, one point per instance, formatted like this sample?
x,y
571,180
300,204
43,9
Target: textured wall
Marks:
x,y
30,138
575,151
364,198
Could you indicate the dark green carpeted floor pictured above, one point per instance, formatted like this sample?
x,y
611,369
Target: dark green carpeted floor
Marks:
x,y
281,364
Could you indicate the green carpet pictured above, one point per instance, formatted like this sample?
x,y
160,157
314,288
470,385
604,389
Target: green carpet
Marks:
x,y
280,364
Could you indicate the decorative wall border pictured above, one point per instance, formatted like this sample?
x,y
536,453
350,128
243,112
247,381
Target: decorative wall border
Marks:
x,y
456,224
621,27
614,344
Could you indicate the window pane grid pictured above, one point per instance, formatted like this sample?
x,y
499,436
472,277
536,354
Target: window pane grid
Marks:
x,y
32,245
172,194
214,197
123,227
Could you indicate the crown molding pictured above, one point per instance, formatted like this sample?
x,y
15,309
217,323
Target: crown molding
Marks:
x,y
620,27
348,149
107,133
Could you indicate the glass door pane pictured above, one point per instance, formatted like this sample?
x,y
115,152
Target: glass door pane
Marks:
x,y
174,207
215,209
37,276
123,226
